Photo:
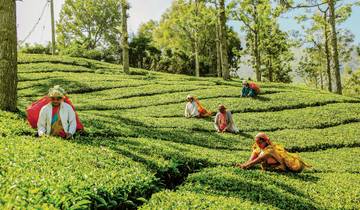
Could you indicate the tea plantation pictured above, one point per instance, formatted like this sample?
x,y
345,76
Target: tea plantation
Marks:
x,y
140,152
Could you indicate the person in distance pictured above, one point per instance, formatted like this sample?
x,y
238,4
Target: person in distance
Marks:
x,y
224,121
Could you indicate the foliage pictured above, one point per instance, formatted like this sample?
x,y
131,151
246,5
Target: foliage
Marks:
x,y
44,173
319,55
352,84
170,44
224,188
137,143
267,46
89,28
36,49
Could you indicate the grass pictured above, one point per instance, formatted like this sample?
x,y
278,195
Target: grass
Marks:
x,y
140,152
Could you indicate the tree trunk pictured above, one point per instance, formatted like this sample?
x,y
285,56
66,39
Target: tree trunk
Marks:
x,y
321,80
125,36
197,62
270,70
218,50
256,45
8,55
53,44
223,42
196,43
327,54
257,57
334,44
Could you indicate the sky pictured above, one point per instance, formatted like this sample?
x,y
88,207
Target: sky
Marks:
x,y
28,13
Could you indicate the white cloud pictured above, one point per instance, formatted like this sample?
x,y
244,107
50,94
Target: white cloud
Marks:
x,y
144,10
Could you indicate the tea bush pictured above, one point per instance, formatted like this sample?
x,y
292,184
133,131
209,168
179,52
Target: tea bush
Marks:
x,y
38,172
138,145
251,189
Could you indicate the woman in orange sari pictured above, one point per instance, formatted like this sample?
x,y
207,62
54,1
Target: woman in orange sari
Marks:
x,y
194,108
273,157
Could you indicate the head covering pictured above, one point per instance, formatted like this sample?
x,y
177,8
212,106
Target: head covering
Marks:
x,y
244,82
222,107
262,136
56,91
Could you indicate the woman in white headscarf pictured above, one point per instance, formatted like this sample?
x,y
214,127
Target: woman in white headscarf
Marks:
x,y
194,108
57,118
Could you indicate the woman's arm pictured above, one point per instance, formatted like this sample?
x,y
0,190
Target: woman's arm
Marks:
x,y
251,163
41,124
231,121
216,121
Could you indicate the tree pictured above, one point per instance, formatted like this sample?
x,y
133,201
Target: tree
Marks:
x,y
254,14
316,41
87,26
314,63
171,44
223,40
327,50
125,36
352,83
317,35
143,53
334,45
196,37
187,30
276,53
333,16
218,44
8,55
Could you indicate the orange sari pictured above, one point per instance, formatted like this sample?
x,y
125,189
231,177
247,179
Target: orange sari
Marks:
x,y
202,111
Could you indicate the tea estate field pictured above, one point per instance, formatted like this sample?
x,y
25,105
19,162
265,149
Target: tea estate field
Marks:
x,y
140,152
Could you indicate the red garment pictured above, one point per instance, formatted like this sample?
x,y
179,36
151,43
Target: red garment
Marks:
x,y
254,86
33,112
55,110
222,121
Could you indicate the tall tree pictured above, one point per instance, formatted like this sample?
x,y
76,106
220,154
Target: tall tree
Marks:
x,y
321,34
327,50
86,26
223,41
334,45
333,22
276,54
186,29
196,38
8,55
125,36
254,14
218,51
316,40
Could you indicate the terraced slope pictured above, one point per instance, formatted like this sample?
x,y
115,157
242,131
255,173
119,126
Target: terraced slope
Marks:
x,y
140,152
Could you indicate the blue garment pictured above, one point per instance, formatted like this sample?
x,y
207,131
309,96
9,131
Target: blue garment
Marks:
x,y
247,91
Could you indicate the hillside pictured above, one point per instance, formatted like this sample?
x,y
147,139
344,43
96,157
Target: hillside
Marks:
x,y
139,150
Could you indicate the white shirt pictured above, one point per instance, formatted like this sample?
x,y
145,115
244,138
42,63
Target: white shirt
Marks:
x,y
67,116
191,110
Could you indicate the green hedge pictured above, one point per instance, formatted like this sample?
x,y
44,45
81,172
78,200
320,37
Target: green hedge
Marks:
x,y
251,189
66,175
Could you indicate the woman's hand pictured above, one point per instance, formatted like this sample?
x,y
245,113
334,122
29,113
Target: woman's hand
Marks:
x,y
68,136
241,165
